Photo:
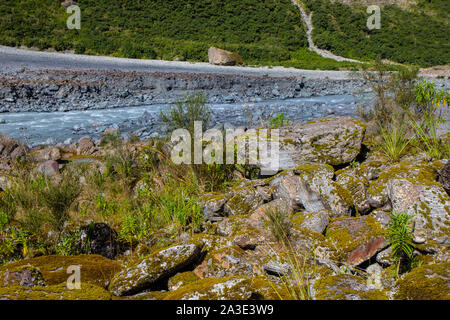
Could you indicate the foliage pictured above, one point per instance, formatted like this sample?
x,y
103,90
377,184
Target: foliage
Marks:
x,y
279,224
394,142
431,104
415,36
279,120
186,111
400,237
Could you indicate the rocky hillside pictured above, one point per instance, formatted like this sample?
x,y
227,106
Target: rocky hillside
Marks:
x,y
269,32
141,230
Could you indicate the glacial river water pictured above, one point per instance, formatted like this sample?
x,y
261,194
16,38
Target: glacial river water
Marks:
x,y
47,128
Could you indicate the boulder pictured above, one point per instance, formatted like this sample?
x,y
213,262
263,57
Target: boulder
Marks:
x,y
230,288
428,282
357,187
314,221
355,240
243,201
346,287
45,154
223,57
258,217
334,141
100,239
11,149
85,146
444,177
88,291
153,268
225,262
213,206
49,168
310,187
427,203
95,269
181,279
24,275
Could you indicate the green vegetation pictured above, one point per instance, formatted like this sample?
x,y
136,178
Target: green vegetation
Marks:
x,y
268,32
407,112
279,120
185,112
417,36
400,238
431,105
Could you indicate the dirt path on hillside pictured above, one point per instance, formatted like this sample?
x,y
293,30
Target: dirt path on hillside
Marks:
x,y
307,19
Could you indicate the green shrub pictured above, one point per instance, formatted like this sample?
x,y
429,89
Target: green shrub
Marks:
x,y
400,237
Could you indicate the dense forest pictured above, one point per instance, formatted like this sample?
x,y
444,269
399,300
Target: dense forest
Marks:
x,y
268,32
411,37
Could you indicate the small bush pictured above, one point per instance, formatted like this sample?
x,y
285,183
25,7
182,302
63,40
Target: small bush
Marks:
x,y
400,237
186,111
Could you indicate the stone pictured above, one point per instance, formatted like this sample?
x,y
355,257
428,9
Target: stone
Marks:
x,y
355,240
100,239
223,57
153,268
345,287
258,217
374,273
311,188
85,146
25,275
332,140
49,168
243,201
276,268
225,262
427,203
357,187
229,288
444,177
245,242
314,221
181,279
95,269
88,291
213,206
45,154
385,257
428,282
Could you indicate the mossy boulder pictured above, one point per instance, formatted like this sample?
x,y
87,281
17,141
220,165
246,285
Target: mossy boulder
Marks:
x,y
428,282
444,177
25,275
310,187
355,239
346,287
333,140
87,291
230,261
313,221
418,173
181,279
357,188
213,206
230,288
243,201
156,267
95,269
427,204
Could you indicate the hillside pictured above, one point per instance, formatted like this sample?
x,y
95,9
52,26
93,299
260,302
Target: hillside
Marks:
x,y
269,32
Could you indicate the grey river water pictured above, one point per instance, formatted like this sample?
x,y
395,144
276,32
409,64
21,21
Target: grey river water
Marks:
x,y
36,128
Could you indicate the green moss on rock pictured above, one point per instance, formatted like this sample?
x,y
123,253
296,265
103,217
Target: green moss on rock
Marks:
x,y
95,269
428,282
